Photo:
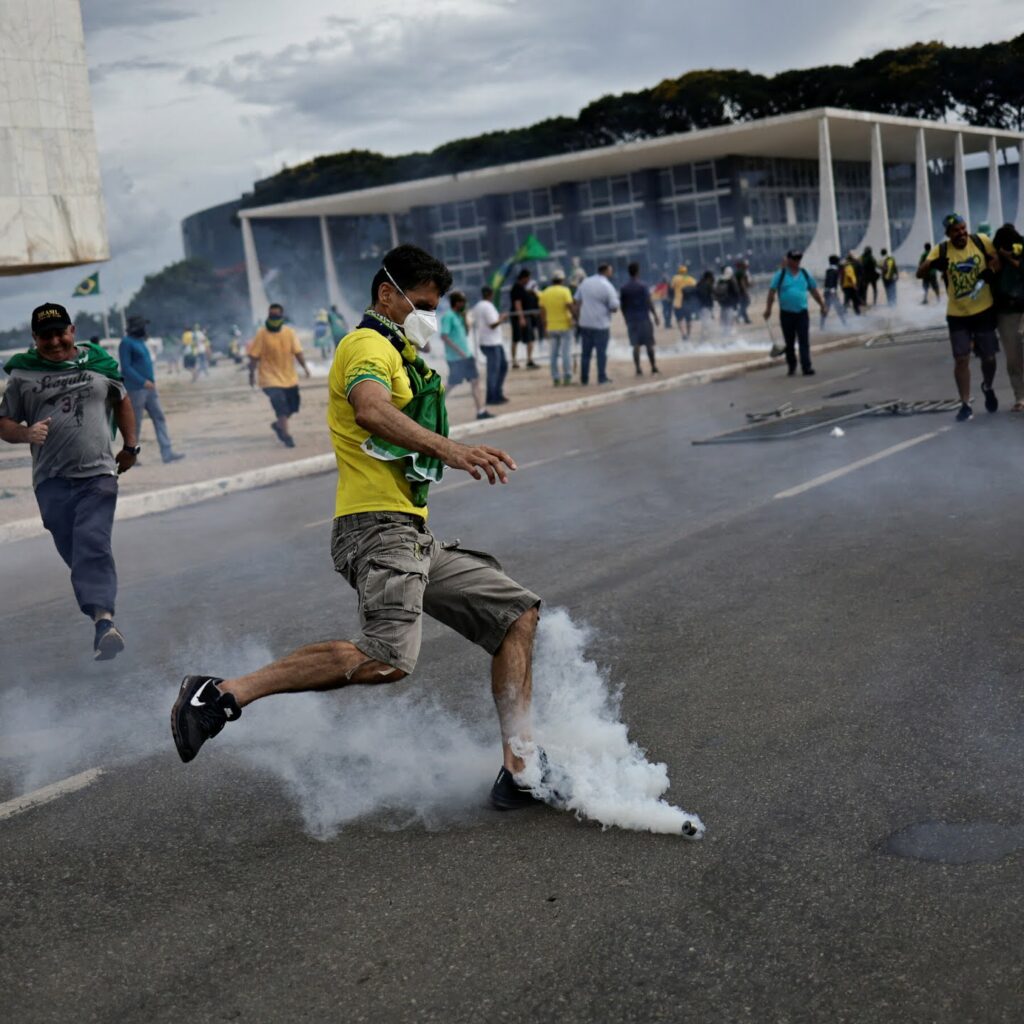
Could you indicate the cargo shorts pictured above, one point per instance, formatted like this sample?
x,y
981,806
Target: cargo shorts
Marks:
x,y
399,570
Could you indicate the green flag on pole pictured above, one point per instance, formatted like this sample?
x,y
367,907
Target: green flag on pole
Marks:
x,y
531,249
90,286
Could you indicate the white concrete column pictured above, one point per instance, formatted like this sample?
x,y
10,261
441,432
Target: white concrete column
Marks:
x,y
393,225
257,294
334,293
995,196
922,227
1019,221
960,204
330,271
877,232
826,235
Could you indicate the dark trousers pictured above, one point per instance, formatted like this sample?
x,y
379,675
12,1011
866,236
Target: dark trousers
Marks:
x,y
595,342
796,330
497,368
851,297
80,516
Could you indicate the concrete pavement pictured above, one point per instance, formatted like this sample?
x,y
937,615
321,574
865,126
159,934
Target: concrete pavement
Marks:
x,y
820,672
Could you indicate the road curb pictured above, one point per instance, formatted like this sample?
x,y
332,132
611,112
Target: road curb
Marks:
x,y
170,498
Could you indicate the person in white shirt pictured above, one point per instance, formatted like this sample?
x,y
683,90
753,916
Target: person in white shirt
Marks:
x,y
596,300
487,323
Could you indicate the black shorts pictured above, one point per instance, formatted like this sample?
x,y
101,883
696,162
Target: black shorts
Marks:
x,y
284,401
521,333
641,332
977,331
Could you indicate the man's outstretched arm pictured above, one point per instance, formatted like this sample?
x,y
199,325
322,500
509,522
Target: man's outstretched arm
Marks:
x,y
375,413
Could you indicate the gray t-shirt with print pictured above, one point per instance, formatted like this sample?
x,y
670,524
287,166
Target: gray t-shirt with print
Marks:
x,y
79,404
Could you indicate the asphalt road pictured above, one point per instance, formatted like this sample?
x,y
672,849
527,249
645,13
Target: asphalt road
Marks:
x,y
833,678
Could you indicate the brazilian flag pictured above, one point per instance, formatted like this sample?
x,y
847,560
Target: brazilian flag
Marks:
x,y
531,249
90,286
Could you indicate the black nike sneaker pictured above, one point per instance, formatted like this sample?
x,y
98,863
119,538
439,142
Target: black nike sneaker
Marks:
x,y
508,795
108,642
991,399
199,713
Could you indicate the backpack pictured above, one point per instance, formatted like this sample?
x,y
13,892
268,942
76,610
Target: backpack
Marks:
x,y
721,291
849,275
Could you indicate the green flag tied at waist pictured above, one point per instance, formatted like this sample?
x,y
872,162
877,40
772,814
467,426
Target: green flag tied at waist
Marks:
x,y
427,408
90,356
90,286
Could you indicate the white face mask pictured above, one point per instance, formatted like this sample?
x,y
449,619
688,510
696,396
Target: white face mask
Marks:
x,y
420,325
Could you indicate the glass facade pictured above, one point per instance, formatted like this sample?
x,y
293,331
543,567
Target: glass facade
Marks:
x,y
703,213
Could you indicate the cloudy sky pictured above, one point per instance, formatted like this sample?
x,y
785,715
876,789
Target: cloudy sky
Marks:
x,y
193,101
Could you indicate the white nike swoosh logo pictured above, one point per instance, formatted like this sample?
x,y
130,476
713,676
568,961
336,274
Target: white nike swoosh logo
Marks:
x,y
195,701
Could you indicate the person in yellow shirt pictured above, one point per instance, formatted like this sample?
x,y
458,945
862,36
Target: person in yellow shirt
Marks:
x,y
557,317
969,262
381,394
683,292
274,351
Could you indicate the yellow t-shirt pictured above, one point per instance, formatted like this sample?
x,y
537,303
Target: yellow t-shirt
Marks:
x,y
366,484
679,282
965,267
556,300
276,351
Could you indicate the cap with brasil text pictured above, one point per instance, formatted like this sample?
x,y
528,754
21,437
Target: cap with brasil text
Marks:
x,y
50,316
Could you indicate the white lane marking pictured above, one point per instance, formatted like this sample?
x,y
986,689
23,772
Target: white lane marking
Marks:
x,y
42,796
831,380
835,474
444,488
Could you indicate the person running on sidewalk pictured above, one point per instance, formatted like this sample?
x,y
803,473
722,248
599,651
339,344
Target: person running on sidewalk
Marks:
x,y
556,310
850,279
140,382
596,300
458,351
638,311
274,351
388,426
1008,293
968,263
487,323
792,284
60,400
831,291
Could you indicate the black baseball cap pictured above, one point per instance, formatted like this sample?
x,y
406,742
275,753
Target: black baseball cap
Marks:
x,y
50,316
795,254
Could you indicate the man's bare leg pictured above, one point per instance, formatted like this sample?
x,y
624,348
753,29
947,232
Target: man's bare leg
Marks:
x,y
324,666
512,685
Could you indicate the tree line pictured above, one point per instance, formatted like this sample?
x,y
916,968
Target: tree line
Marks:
x,y
981,85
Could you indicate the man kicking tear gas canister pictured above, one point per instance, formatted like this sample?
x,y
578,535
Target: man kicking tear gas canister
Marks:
x,y
386,412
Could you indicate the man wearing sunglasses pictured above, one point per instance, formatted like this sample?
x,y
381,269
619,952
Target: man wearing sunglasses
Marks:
x,y
62,400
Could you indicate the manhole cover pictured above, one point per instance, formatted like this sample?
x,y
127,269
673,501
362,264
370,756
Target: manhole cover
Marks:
x,y
972,842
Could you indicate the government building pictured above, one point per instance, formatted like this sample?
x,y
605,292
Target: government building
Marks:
x,y
824,180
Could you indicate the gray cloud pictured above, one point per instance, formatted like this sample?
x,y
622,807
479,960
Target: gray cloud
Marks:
x,y
99,15
101,72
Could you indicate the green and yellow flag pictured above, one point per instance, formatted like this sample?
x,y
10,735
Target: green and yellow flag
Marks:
x,y
90,286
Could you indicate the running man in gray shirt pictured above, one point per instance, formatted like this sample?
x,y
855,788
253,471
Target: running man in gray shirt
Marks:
x,y
62,400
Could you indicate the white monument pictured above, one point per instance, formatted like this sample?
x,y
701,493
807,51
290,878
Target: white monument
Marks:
x,y
51,207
